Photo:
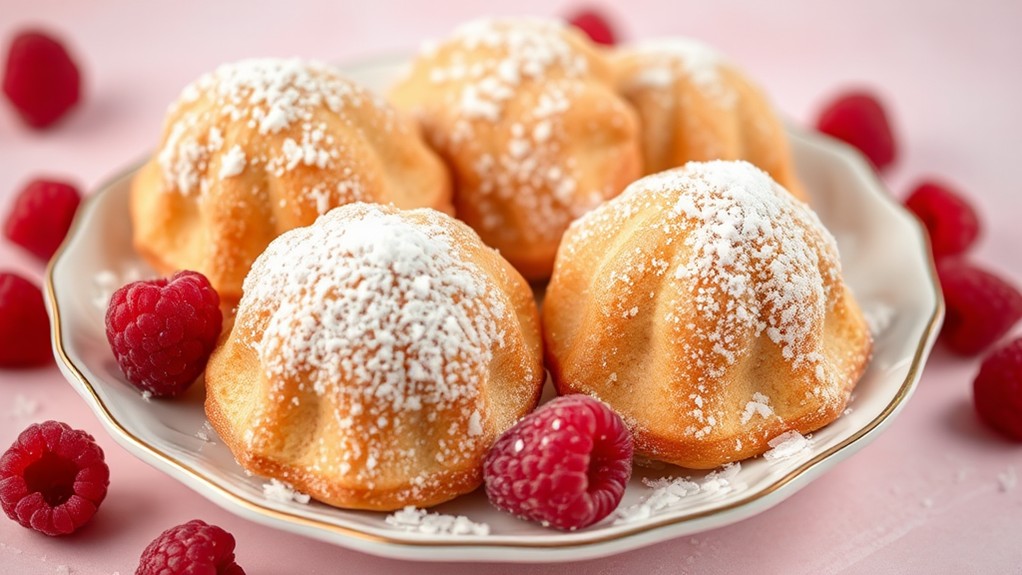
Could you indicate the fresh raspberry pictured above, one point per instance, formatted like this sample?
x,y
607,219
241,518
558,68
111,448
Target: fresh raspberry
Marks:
x,y
595,26
997,390
41,216
564,465
24,326
162,331
950,220
981,307
194,547
53,478
40,78
860,120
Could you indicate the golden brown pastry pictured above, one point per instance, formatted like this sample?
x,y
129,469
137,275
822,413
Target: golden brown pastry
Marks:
x,y
695,105
524,113
376,356
705,304
262,146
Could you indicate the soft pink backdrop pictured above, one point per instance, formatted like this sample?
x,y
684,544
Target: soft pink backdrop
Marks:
x,y
924,498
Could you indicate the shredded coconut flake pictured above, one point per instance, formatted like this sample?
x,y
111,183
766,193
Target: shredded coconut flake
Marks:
x,y
673,493
283,493
420,521
788,444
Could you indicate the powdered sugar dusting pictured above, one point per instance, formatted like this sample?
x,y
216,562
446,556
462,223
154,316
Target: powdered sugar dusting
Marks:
x,y
483,69
377,309
787,444
22,407
288,104
879,317
206,434
421,521
673,493
1007,479
283,493
527,48
738,259
233,162
758,405
670,58
106,282
750,243
404,341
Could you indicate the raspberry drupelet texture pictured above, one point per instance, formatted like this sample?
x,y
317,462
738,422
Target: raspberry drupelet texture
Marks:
x,y
595,25
565,465
950,221
997,390
53,478
41,216
24,325
163,331
859,119
191,548
981,307
40,78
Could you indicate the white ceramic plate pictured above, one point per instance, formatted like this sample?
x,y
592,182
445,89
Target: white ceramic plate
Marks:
x,y
885,259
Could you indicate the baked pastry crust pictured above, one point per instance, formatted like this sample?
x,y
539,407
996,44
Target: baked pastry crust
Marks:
x,y
259,147
375,357
694,105
705,304
524,113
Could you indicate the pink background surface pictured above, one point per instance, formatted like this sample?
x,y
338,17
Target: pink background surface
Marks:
x,y
925,497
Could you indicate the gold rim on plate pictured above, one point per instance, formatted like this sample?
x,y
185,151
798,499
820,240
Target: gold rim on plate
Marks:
x,y
229,496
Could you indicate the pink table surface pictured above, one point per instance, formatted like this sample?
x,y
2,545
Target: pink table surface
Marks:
x,y
924,498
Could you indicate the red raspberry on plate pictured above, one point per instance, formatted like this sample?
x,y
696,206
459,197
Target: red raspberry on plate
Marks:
x,y
24,325
564,465
163,331
53,478
40,79
858,119
193,547
41,215
950,221
981,307
595,26
997,390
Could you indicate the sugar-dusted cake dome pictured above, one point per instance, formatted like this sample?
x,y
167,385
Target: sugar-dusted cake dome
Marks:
x,y
376,356
706,305
258,147
695,105
524,113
